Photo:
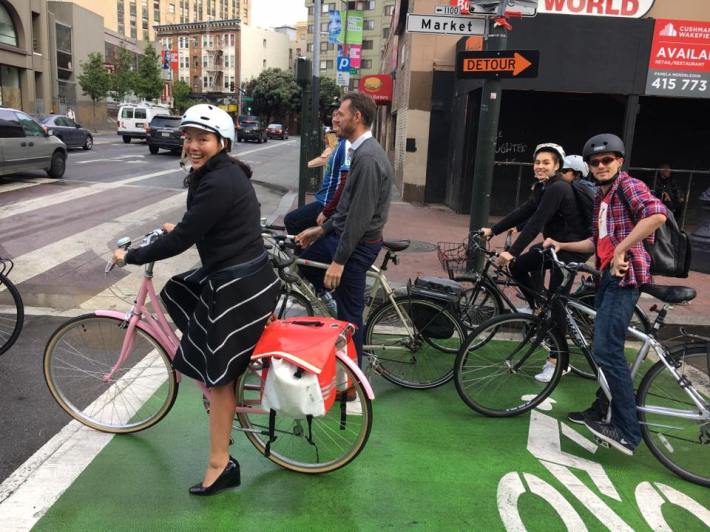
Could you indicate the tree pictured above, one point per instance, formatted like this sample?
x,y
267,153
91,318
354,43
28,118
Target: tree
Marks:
x,y
329,98
276,94
181,93
94,80
148,81
123,79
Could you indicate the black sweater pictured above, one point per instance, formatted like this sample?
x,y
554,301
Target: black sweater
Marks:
x,y
552,208
222,219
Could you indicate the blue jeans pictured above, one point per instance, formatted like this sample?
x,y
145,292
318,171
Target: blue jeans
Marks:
x,y
350,294
615,307
302,218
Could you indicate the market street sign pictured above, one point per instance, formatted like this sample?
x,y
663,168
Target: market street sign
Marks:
x,y
445,25
501,64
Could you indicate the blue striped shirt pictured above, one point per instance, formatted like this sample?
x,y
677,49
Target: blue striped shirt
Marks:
x,y
337,162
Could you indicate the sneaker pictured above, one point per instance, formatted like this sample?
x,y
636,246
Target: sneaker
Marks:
x,y
610,434
524,310
548,370
580,417
353,408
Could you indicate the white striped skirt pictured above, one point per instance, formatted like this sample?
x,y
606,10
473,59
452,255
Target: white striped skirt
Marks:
x,y
221,315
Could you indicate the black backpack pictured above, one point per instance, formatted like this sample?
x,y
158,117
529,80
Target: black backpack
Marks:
x,y
584,193
670,251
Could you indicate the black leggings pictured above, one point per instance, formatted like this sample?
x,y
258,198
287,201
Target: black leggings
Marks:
x,y
528,270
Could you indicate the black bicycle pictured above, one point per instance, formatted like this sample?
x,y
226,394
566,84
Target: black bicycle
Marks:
x,y
487,293
494,372
12,310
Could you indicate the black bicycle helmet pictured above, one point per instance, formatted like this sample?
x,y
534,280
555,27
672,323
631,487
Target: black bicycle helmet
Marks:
x,y
602,143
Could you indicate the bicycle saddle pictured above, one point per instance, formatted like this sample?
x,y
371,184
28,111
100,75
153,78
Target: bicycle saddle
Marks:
x,y
396,245
670,294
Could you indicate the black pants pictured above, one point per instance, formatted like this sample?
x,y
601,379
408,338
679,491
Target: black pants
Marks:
x,y
528,270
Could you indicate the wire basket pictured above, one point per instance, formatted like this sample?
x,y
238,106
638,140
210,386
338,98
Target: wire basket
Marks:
x,y
458,257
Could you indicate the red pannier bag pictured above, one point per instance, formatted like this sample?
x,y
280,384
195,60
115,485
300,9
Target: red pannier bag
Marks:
x,y
308,344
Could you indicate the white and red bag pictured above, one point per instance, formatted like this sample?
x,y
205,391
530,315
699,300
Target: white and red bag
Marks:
x,y
300,378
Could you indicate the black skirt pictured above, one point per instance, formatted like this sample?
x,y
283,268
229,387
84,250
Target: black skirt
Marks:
x,y
221,316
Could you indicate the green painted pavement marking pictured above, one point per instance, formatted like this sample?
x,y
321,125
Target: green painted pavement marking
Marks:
x,y
430,464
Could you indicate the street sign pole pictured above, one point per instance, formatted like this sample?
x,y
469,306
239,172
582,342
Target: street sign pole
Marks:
x,y
496,39
314,118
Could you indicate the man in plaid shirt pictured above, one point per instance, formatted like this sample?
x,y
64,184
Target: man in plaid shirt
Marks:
x,y
625,267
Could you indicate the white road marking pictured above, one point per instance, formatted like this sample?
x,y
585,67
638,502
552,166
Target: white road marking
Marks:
x,y
18,185
74,193
95,239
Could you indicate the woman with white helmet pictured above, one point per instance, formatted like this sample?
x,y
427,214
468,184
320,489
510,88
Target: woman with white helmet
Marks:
x,y
551,209
235,288
574,168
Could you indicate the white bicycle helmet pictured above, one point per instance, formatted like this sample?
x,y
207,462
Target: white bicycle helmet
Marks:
x,y
576,163
551,146
209,118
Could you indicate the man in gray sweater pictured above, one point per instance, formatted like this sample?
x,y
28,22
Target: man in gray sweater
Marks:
x,y
351,239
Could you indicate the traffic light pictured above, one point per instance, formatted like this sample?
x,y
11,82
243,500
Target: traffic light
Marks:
x,y
231,86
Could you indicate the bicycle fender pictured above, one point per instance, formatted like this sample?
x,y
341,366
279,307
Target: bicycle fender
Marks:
x,y
345,359
122,316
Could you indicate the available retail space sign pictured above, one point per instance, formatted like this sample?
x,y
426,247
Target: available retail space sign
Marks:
x,y
500,64
445,25
680,59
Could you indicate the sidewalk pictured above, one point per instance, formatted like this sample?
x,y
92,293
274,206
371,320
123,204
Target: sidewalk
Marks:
x,y
425,225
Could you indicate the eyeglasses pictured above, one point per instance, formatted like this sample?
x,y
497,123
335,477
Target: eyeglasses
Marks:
x,y
606,161
565,170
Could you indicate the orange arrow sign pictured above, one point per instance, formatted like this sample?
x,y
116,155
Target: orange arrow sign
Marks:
x,y
515,64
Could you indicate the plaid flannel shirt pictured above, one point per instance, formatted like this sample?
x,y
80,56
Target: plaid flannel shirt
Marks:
x,y
619,224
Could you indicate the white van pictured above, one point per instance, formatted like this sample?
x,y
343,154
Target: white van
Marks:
x,y
133,119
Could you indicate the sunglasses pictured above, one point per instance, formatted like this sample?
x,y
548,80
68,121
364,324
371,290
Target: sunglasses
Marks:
x,y
565,170
606,161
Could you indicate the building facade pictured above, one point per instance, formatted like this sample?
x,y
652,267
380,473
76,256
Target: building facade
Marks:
x,y
593,77
208,55
25,62
261,49
136,18
376,29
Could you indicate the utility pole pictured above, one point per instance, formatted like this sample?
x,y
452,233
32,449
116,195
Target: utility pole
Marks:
x,y
314,148
496,40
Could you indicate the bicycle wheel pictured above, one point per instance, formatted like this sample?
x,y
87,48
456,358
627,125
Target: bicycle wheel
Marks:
x,y
480,301
336,438
12,314
417,355
681,444
78,360
495,369
578,363
291,304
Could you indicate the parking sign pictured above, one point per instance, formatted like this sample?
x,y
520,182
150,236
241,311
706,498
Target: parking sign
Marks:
x,y
343,64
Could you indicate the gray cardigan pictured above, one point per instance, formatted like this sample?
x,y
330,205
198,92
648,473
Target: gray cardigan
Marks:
x,y
364,205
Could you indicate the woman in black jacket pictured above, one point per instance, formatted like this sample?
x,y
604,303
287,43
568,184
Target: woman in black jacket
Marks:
x,y
221,307
553,210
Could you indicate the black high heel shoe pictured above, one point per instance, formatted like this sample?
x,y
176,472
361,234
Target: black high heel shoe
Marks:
x,y
229,478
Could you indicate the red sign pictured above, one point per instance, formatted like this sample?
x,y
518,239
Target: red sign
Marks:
x,y
378,87
681,45
604,8
169,59
680,59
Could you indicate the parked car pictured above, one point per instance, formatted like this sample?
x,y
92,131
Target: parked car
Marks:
x,y
276,131
163,133
251,130
25,146
134,118
68,131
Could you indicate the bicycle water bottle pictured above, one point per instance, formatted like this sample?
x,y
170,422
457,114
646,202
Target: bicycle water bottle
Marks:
x,y
330,302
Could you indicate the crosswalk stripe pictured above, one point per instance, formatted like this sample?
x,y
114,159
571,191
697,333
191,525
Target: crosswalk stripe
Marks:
x,y
75,193
95,239
19,185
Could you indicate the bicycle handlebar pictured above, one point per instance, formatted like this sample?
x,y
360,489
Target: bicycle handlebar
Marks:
x,y
571,266
125,242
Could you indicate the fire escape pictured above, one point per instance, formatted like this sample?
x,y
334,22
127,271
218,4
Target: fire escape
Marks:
x,y
215,63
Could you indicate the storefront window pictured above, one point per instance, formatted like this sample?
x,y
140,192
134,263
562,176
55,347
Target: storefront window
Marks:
x,y
8,35
10,95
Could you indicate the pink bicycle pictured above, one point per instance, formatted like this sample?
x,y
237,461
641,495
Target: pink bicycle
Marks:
x,y
113,373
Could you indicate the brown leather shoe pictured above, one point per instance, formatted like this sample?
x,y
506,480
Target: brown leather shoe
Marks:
x,y
350,395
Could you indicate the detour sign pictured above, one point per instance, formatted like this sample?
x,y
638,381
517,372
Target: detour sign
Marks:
x,y
503,64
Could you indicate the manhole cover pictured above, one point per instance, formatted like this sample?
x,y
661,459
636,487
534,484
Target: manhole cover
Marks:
x,y
419,246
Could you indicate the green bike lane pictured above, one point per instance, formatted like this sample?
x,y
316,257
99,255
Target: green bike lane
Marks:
x,y
430,464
